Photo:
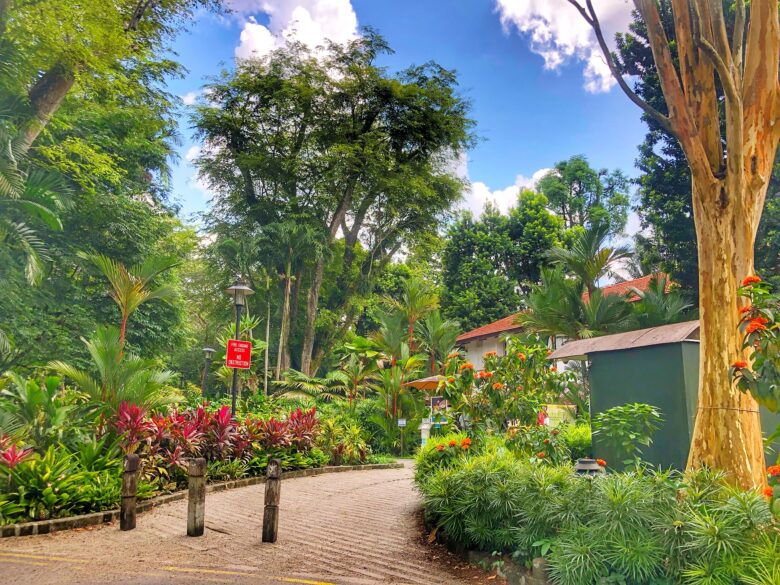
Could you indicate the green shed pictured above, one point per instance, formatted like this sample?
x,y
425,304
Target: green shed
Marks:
x,y
657,366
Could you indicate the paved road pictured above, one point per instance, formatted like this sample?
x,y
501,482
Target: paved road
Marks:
x,y
351,528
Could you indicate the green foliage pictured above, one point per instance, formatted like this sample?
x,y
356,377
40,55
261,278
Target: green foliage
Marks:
x,y
343,443
538,444
579,440
628,428
639,527
586,197
440,452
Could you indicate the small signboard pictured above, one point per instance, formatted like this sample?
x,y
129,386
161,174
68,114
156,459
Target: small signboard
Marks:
x,y
239,354
401,422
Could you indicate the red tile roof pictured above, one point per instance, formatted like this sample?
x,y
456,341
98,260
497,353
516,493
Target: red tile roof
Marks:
x,y
508,323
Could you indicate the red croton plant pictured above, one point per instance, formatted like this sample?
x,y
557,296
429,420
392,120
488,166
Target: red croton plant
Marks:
x,y
168,441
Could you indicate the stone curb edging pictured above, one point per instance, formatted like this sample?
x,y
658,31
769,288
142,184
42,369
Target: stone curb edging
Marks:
x,y
58,524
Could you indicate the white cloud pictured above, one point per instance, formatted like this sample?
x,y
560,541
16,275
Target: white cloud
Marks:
x,y
192,153
559,34
308,21
479,193
190,98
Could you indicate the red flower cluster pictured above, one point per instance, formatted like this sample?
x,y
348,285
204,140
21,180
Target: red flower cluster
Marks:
x,y
490,354
745,309
521,356
601,462
484,375
452,443
540,455
751,280
740,364
465,443
773,470
466,366
498,386
769,492
440,447
756,324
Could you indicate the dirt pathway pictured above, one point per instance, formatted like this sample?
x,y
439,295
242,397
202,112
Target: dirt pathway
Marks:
x,y
349,528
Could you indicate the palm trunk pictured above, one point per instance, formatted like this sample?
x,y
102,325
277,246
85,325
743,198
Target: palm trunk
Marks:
x,y
727,431
312,301
267,337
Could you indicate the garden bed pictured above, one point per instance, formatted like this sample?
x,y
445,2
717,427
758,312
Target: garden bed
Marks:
x,y
83,520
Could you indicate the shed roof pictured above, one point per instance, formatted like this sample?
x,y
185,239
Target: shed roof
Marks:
x,y
578,349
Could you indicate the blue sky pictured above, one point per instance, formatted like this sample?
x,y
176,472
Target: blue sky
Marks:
x,y
528,66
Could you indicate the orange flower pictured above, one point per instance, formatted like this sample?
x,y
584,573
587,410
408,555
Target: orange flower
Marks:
x,y
466,442
466,366
554,432
757,324
546,441
521,356
490,354
549,352
773,470
453,355
453,442
769,492
740,364
745,309
451,379
601,462
751,280
440,447
540,455
498,386
553,369
488,374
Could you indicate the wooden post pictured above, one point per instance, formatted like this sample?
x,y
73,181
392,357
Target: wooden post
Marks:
x,y
273,491
196,506
129,487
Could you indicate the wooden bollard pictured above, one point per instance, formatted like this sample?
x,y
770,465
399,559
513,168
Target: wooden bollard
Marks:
x,y
129,487
196,507
273,492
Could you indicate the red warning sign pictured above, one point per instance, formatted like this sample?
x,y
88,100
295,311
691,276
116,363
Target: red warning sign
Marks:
x,y
239,354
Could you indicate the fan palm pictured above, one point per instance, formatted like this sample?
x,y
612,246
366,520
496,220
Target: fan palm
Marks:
x,y
295,384
131,287
361,377
118,378
438,337
588,258
660,304
417,300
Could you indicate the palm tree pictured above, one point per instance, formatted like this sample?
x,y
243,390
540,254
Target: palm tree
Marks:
x,y
131,287
118,378
296,384
557,306
438,336
417,300
589,258
390,337
26,193
660,304
361,377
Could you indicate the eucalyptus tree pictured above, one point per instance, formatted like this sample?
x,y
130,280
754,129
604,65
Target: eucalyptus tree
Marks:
x,y
731,167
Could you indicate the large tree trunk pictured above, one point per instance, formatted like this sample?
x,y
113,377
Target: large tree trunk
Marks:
x,y
727,431
312,300
45,99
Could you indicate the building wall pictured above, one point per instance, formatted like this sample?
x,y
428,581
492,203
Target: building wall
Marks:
x,y
476,350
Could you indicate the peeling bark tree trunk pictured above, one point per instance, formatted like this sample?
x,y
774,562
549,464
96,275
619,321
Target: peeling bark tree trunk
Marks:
x,y
282,356
727,427
730,175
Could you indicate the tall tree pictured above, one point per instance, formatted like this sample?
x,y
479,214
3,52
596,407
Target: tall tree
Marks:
x,y
665,205
731,166
359,152
583,196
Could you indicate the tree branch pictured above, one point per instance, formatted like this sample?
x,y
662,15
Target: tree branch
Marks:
x,y
592,19
738,40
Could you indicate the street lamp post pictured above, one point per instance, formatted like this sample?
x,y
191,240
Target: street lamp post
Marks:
x,y
239,292
208,353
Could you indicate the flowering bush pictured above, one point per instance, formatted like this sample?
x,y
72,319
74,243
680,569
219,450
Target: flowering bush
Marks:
x,y
440,452
761,338
510,390
539,444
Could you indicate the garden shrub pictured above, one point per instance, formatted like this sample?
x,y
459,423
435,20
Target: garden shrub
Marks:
x,y
578,439
440,452
636,528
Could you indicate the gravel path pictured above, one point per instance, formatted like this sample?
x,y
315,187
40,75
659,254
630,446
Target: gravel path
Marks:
x,y
350,528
